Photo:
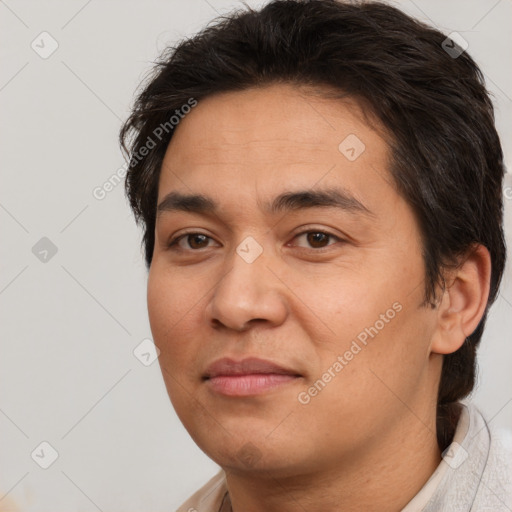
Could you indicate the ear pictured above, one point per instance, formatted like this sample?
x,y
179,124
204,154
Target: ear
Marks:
x,y
463,302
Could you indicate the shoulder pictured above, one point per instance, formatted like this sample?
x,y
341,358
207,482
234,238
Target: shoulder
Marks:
x,y
495,489
209,497
475,473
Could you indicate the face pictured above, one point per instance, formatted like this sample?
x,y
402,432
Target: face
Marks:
x,y
300,253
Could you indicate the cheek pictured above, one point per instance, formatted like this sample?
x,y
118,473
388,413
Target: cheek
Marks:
x,y
374,318
376,378
344,301
171,310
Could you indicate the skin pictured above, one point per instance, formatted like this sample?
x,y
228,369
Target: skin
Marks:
x,y
367,440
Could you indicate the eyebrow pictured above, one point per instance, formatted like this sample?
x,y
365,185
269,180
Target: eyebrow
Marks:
x,y
287,201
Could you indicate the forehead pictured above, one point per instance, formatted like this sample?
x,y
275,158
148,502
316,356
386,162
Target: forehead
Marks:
x,y
252,143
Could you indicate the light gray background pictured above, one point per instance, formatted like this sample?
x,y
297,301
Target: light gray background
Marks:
x,y
68,374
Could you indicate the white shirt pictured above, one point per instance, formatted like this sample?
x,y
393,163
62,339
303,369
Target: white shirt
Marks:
x,y
475,474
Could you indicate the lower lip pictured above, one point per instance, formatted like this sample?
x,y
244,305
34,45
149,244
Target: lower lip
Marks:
x,y
251,384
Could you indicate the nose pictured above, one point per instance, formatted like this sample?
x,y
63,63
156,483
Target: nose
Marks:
x,y
247,294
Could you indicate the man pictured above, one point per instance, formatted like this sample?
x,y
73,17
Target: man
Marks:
x,y
320,189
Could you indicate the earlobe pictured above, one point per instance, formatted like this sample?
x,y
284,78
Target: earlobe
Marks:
x,y
463,302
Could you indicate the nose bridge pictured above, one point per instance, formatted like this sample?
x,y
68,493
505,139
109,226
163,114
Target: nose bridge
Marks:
x,y
248,290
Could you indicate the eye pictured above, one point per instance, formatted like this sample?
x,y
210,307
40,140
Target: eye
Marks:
x,y
317,239
194,241
314,239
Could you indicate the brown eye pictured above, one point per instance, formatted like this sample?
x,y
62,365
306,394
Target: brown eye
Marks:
x,y
197,241
317,239
190,241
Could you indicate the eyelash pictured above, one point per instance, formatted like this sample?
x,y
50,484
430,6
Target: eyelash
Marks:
x,y
173,243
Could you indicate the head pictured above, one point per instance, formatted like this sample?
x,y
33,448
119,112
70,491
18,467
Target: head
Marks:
x,y
339,178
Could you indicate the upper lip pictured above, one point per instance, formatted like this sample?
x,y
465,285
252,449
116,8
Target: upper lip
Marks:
x,y
250,365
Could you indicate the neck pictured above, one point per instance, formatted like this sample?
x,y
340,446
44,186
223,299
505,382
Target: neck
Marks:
x,y
385,475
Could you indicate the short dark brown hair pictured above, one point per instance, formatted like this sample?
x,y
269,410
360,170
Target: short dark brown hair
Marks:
x,y
447,160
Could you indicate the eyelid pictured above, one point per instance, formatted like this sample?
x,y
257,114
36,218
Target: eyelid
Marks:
x,y
175,240
312,229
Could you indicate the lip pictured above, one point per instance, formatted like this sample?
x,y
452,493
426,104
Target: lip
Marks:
x,y
250,376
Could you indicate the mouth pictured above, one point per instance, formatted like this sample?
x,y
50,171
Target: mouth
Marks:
x,y
249,377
